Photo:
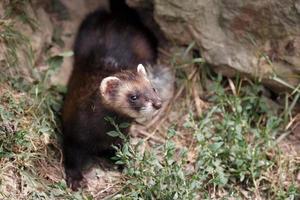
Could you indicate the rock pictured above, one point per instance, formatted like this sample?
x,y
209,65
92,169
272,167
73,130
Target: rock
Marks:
x,y
256,38
41,35
38,33
77,9
2,48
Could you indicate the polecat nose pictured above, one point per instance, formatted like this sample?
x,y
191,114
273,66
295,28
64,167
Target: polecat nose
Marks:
x,y
157,105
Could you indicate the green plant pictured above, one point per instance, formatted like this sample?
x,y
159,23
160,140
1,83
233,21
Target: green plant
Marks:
x,y
235,148
155,174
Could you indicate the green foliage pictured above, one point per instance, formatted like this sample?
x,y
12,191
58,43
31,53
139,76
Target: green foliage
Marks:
x,y
29,117
150,177
234,138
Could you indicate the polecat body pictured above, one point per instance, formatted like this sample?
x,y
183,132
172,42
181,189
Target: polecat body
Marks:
x,y
107,81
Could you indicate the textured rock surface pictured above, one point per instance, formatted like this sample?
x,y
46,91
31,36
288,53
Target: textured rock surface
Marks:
x,y
77,10
261,38
24,38
59,21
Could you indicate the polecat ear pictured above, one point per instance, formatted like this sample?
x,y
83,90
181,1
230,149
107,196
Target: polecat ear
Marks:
x,y
108,85
141,69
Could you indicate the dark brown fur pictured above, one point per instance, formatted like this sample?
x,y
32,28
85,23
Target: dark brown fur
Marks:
x,y
107,44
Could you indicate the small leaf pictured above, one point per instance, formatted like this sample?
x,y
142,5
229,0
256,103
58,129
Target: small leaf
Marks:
x,y
125,149
171,132
113,133
124,125
66,54
119,162
215,146
55,62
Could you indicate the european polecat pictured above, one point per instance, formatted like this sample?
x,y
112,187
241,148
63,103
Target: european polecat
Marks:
x,y
108,79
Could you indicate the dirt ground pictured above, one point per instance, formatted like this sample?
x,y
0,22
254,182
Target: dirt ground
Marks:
x,y
101,180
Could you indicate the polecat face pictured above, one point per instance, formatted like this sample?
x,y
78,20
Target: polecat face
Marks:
x,y
131,93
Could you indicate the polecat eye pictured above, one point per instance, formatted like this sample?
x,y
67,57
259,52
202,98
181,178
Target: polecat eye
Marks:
x,y
154,89
133,97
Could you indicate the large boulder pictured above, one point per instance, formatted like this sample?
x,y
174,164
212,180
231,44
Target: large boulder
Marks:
x,y
258,38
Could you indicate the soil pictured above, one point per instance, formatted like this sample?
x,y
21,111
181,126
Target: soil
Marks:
x,y
100,181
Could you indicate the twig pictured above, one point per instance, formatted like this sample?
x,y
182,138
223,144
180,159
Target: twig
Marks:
x,y
164,52
157,117
105,189
232,87
282,136
292,122
148,136
198,102
190,77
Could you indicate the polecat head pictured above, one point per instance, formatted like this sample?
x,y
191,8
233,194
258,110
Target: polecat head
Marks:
x,y
131,93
